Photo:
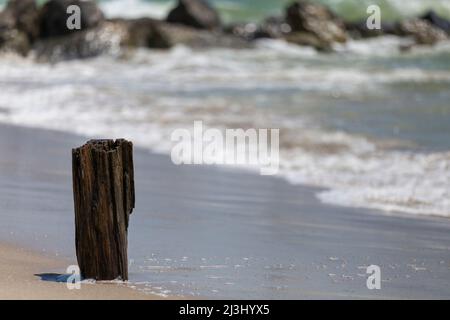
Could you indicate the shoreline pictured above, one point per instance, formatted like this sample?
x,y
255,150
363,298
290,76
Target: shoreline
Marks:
x,y
22,271
208,232
26,272
315,189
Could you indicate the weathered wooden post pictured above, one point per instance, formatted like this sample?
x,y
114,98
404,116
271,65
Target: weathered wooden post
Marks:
x,y
103,188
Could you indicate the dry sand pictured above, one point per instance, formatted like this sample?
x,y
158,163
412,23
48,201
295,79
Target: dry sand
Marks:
x,y
18,280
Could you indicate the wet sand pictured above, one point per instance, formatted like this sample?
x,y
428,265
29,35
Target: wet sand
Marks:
x,y
220,233
21,274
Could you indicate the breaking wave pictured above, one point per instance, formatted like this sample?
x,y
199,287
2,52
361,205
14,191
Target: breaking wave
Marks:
x,y
333,110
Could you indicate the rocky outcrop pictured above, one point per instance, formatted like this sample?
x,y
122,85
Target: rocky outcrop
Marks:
x,y
53,17
110,37
25,27
14,41
195,13
105,38
142,33
309,40
272,28
305,23
244,30
314,24
427,30
359,30
437,21
23,16
194,38
53,41
422,31
18,26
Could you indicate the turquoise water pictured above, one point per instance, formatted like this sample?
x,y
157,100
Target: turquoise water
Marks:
x,y
350,9
237,10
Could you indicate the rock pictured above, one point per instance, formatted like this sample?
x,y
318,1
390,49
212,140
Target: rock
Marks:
x,y
23,16
310,40
117,36
195,13
7,21
14,41
305,24
200,39
104,39
272,28
422,31
110,37
358,30
246,31
437,21
151,33
18,26
143,32
53,17
316,20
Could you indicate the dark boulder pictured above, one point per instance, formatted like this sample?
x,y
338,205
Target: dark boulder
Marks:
x,y
53,17
309,40
141,33
23,16
199,39
118,37
437,21
112,37
422,31
14,41
316,20
7,21
195,13
18,26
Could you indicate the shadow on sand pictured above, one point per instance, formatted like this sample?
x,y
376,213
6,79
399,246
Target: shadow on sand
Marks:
x,y
53,277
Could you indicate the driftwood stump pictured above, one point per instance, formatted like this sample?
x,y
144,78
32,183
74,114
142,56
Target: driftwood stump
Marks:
x,y
103,188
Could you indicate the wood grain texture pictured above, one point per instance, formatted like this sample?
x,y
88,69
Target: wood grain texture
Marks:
x,y
104,198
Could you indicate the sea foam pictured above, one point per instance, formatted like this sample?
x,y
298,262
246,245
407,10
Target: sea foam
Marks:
x,y
276,85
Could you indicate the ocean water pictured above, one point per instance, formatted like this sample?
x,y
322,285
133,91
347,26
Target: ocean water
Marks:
x,y
368,124
244,10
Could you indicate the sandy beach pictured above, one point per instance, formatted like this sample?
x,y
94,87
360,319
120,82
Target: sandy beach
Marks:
x,y
210,232
21,271
30,272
